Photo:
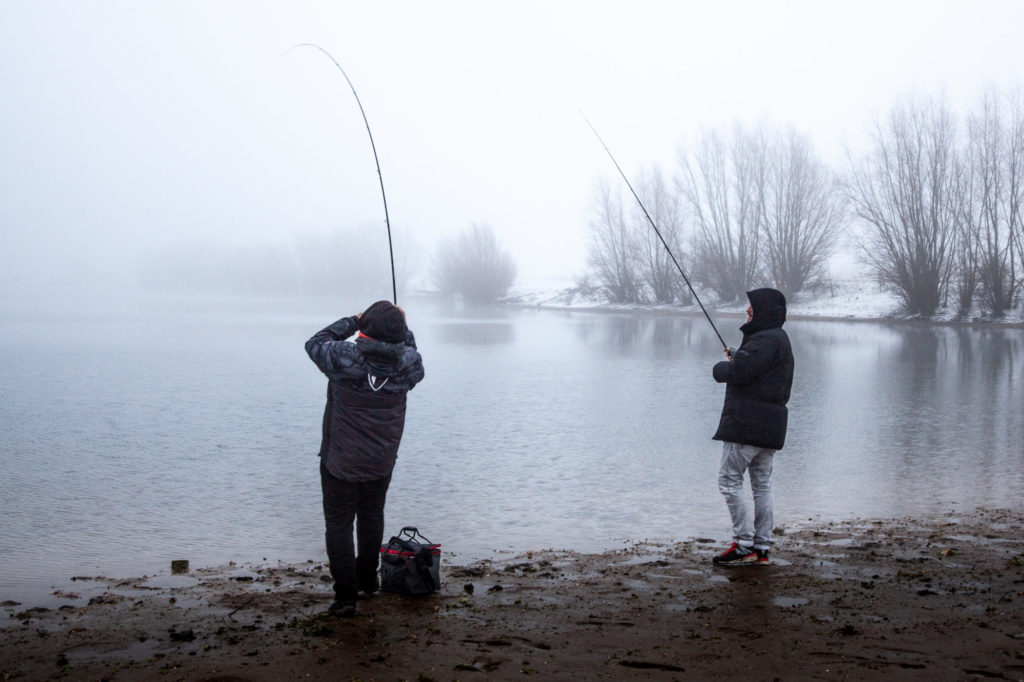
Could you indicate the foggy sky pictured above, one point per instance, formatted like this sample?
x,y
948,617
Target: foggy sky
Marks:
x,y
132,127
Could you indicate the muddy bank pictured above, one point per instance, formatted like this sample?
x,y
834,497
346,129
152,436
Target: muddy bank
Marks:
x,y
939,597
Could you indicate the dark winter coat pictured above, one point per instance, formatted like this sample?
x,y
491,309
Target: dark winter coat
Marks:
x,y
759,378
365,413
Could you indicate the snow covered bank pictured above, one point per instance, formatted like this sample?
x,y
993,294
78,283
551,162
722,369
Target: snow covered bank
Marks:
x,y
852,298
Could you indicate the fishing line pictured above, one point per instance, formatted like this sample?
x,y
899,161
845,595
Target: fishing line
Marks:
x,y
656,230
387,221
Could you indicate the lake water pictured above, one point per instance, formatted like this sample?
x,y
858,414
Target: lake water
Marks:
x,y
134,433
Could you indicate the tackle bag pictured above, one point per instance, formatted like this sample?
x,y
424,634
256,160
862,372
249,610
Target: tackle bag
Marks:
x,y
410,564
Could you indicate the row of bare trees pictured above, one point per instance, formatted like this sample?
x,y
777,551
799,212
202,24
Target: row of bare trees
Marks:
x,y
942,203
626,256
993,224
346,261
765,210
935,203
747,206
471,265
903,189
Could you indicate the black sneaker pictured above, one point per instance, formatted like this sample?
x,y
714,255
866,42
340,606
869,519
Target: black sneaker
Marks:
x,y
367,588
342,609
736,556
762,557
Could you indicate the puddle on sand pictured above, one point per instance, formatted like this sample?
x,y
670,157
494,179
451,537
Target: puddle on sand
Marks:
x,y
168,582
634,584
788,602
645,560
841,542
974,539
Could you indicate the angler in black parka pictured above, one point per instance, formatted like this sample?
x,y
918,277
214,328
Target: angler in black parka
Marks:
x,y
759,376
758,379
362,427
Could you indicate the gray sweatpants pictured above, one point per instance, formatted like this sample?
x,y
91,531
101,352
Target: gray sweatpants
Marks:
x,y
748,530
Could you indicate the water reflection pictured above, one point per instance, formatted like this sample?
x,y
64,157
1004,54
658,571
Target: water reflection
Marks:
x,y
624,331
477,333
460,323
918,396
667,335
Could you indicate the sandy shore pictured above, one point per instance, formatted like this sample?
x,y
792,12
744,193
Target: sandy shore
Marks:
x,y
935,598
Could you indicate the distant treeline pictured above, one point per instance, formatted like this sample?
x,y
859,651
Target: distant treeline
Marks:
x,y
935,207
351,261
471,265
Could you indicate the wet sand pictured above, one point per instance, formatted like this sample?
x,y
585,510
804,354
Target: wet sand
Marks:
x,y
932,598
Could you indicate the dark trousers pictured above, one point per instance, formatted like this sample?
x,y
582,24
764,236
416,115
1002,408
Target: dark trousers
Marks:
x,y
346,502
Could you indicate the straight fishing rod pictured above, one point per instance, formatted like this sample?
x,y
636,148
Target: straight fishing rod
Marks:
x,y
656,231
387,221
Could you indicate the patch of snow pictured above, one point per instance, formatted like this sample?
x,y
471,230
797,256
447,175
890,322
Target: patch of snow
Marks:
x,y
849,298
854,296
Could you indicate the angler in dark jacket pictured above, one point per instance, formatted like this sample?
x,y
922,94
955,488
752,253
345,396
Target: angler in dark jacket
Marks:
x,y
362,427
758,378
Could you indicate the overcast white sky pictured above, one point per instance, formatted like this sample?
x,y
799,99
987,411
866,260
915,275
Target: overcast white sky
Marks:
x,y
129,126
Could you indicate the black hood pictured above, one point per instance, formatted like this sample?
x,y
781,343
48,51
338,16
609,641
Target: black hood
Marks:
x,y
384,359
769,310
383,322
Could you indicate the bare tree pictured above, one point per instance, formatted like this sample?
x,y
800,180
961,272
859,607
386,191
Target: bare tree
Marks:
x,y
473,265
723,181
965,253
989,212
659,273
614,252
1015,174
904,189
803,214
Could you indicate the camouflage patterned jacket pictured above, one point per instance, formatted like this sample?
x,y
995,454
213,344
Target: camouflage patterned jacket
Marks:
x,y
365,413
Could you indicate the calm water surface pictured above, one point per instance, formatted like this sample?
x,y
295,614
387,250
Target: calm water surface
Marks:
x,y
134,433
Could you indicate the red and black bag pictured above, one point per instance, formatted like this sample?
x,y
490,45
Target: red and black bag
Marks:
x,y
410,564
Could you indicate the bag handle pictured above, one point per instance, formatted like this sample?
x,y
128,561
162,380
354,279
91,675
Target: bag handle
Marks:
x,y
412,532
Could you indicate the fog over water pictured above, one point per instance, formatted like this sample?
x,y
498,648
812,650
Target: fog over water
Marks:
x,y
144,134
164,429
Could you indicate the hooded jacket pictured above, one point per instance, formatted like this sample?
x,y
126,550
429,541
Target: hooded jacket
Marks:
x,y
365,413
759,378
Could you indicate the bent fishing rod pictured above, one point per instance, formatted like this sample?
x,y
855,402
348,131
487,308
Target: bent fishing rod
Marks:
x,y
387,221
656,231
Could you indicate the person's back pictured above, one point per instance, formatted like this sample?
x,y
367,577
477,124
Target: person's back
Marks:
x,y
363,423
366,394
